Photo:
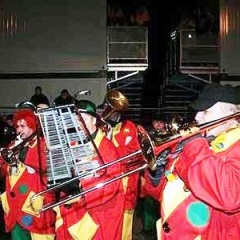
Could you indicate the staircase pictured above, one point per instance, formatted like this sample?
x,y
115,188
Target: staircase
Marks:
x,y
180,90
132,88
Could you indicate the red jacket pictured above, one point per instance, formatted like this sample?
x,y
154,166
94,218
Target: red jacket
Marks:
x,y
98,214
203,201
125,138
21,184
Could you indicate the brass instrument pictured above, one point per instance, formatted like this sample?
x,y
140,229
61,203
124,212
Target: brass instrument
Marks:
x,y
10,155
170,144
114,101
148,150
148,160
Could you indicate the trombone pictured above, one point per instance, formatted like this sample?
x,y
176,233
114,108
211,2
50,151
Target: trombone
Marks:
x,y
146,150
172,145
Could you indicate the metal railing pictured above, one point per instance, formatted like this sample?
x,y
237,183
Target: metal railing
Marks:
x,y
127,45
191,53
198,52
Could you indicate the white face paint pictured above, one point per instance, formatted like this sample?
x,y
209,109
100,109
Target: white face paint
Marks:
x,y
217,111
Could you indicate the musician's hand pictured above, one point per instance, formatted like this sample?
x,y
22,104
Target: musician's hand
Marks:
x,y
188,132
37,203
182,144
161,162
72,188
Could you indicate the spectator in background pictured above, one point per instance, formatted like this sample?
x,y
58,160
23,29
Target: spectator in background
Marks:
x,y
206,22
64,99
115,15
158,130
140,16
9,120
7,131
39,97
159,125
188,21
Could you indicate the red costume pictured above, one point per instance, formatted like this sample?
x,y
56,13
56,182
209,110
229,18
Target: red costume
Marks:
x,y
21,183
201,198
125,138
98,214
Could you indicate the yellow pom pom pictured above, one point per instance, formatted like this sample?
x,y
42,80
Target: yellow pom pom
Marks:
x,y
170,176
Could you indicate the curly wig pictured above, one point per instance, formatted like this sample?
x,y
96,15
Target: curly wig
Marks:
x,y
28,115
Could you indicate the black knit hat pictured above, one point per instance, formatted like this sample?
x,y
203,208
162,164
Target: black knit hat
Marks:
x,y
213,93
86,106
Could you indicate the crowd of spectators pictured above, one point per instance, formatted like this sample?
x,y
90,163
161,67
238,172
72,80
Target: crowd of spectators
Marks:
x,y
39,98
125,16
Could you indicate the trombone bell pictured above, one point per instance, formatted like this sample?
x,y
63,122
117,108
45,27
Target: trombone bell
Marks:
x,y
114,101
147,147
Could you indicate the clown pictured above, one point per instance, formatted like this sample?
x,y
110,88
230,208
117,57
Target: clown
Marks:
x,y
199,192
97,214
25,177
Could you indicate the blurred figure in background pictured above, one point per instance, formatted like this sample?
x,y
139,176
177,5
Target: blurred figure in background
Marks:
x,y
7,130
39,97
64,98
140,16
115,15
158,130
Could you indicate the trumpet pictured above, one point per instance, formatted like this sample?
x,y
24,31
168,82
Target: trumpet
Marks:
x,y
148,161
10,155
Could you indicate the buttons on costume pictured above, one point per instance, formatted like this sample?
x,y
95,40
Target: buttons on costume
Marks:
x,y
198,214
23,188
166,227
170,176
67,206
27,220
12,194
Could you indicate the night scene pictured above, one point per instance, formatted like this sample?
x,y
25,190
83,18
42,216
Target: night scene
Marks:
x,y
119,120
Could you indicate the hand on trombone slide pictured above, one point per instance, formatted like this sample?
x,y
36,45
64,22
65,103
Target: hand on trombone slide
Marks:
x,y
188,132
69,190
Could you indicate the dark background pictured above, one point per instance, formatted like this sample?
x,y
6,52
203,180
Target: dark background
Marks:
x,y
164,17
